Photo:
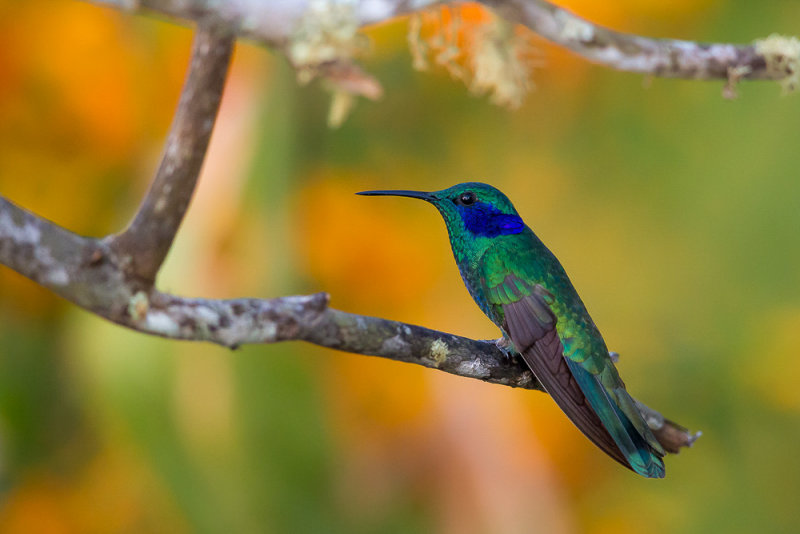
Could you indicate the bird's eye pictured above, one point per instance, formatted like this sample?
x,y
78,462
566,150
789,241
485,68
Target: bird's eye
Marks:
x,y
466,198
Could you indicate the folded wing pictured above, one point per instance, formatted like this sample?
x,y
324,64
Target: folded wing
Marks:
x,y
531,324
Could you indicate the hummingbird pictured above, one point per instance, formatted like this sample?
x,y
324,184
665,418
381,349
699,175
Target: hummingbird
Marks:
x,y
522,287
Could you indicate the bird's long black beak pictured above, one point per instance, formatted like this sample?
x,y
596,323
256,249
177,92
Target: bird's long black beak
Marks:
x,y
422,195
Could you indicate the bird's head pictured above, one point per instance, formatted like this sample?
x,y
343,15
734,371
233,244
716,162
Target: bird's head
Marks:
x,y
471,209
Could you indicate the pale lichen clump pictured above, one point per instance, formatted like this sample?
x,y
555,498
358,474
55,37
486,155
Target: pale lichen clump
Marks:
x,y
497,64
323,44
328,32
488,55
782,55
443,44
138,305
439,352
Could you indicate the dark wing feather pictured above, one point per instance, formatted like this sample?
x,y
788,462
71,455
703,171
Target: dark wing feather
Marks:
x,y
538,342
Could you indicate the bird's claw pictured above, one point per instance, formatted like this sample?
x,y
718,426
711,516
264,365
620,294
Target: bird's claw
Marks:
x,y
506,347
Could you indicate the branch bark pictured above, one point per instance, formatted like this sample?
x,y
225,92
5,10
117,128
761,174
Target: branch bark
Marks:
x,y
144,244
279,24
668,58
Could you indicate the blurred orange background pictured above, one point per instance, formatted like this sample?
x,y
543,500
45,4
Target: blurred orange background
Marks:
x,y
674,211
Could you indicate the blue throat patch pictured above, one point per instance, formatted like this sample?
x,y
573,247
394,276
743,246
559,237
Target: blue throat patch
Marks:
x,y
482,219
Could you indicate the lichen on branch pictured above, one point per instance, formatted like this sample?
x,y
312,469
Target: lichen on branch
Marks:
x,y
316,34
782,57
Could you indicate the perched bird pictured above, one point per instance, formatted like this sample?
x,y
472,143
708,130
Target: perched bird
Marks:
x,y
524,290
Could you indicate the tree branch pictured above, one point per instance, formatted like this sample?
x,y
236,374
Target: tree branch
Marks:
x,y
627,52
144,244
89,273
285,24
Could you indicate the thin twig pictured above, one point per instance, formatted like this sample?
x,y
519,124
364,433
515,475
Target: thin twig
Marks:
x,y
668,58
144,244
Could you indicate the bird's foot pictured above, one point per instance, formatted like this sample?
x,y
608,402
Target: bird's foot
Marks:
x,y
506,347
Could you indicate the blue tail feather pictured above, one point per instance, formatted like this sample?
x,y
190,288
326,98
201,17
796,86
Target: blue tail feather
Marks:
x,y
641,457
